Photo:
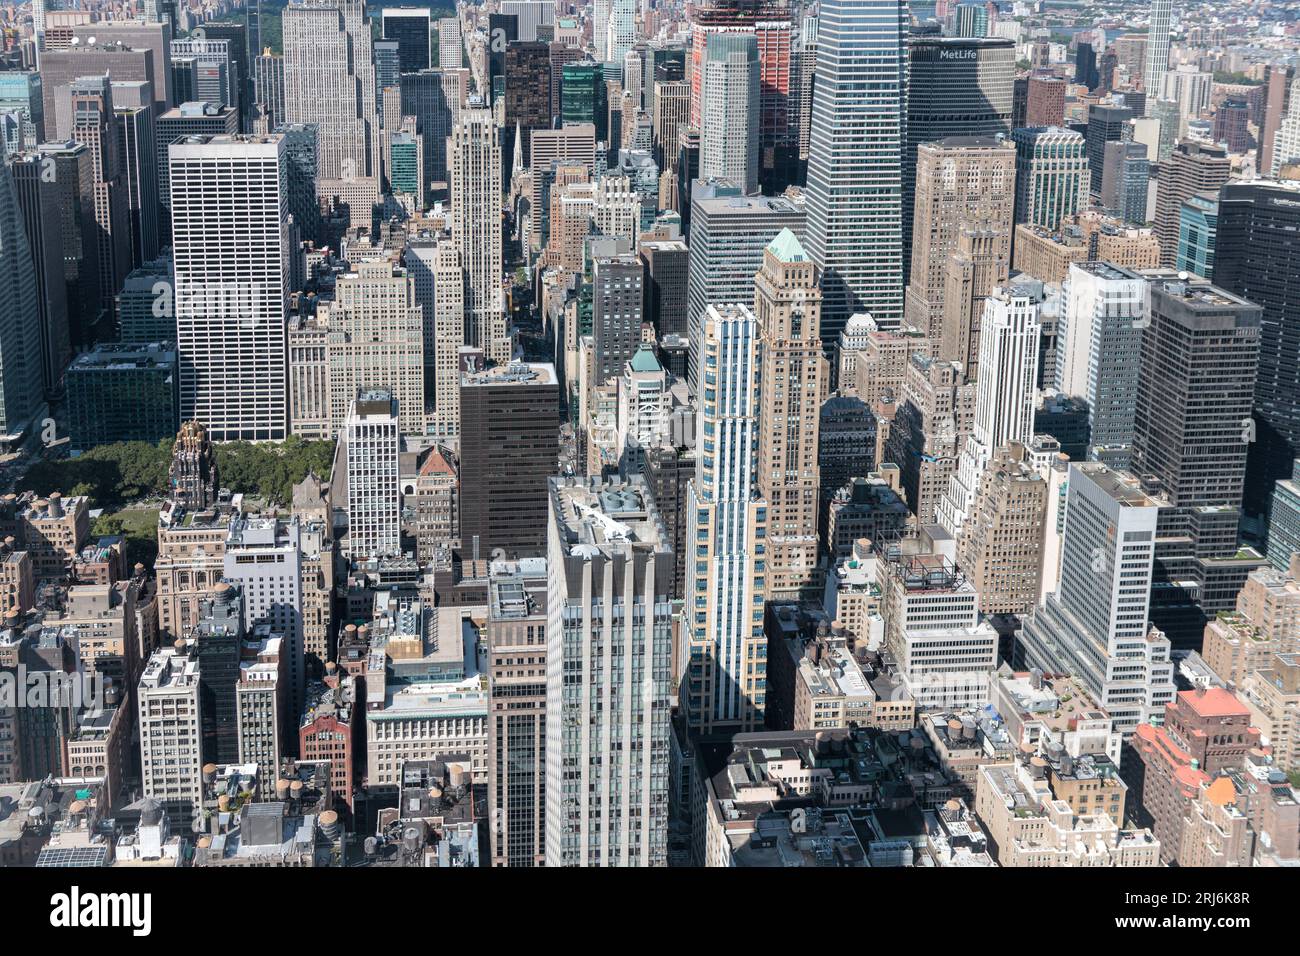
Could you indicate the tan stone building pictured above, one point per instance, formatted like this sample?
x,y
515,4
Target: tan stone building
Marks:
x,y
1001,543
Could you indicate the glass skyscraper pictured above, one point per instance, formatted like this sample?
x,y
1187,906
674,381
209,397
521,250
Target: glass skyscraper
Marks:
x,y
855,163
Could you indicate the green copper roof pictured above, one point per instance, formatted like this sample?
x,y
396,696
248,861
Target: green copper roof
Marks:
x,y
786,247
644,360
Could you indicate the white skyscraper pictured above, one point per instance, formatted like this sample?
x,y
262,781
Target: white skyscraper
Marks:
x,y
608,671
725,634
600,16
1095,626
451,47
855,179
372,440
329,81
474,161
620,29
231,254
1157,53
1098,352
730,95
1004,396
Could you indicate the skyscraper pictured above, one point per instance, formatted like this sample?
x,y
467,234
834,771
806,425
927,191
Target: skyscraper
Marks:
x,y
724,685
1095,625
1098,352
855,162
1191,168
610,574
1106,124
329,81
787,306
231,262
960,181
22,386
730,92
1157,48
1256,250
956,87
372,439
1004,396
1052,177
474,158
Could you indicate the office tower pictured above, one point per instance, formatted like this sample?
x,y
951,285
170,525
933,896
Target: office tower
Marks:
x,y
620,30
133,106
60,69
729,91
509,449
1085,66
1004,394
1098,353
188,119
855,213
787,308
724,683
406,167
571,145
150,40
260,705
73,185
610,574
267,558
956,87
451,48
374,330
803,72
728,236
171,753
935,413
372,439
38,201
1255,254
1001,542
616,312
300,174
241,42
960,181
1051,175
530,14
502,31
1198,223
1279,83
440,293
667,276
1106,124
430,97
769,22
1191,168
1157,48
672,111
1125,177
409,27
561,55
202,69
516,648
121,392
1095,626
527,96
329,82
192,475
1230,125
96,127
1196,387
22,93
971,20
215,645
584,98
231,259
974,268
474,160
268,89
1045,101
22,361
1286,146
